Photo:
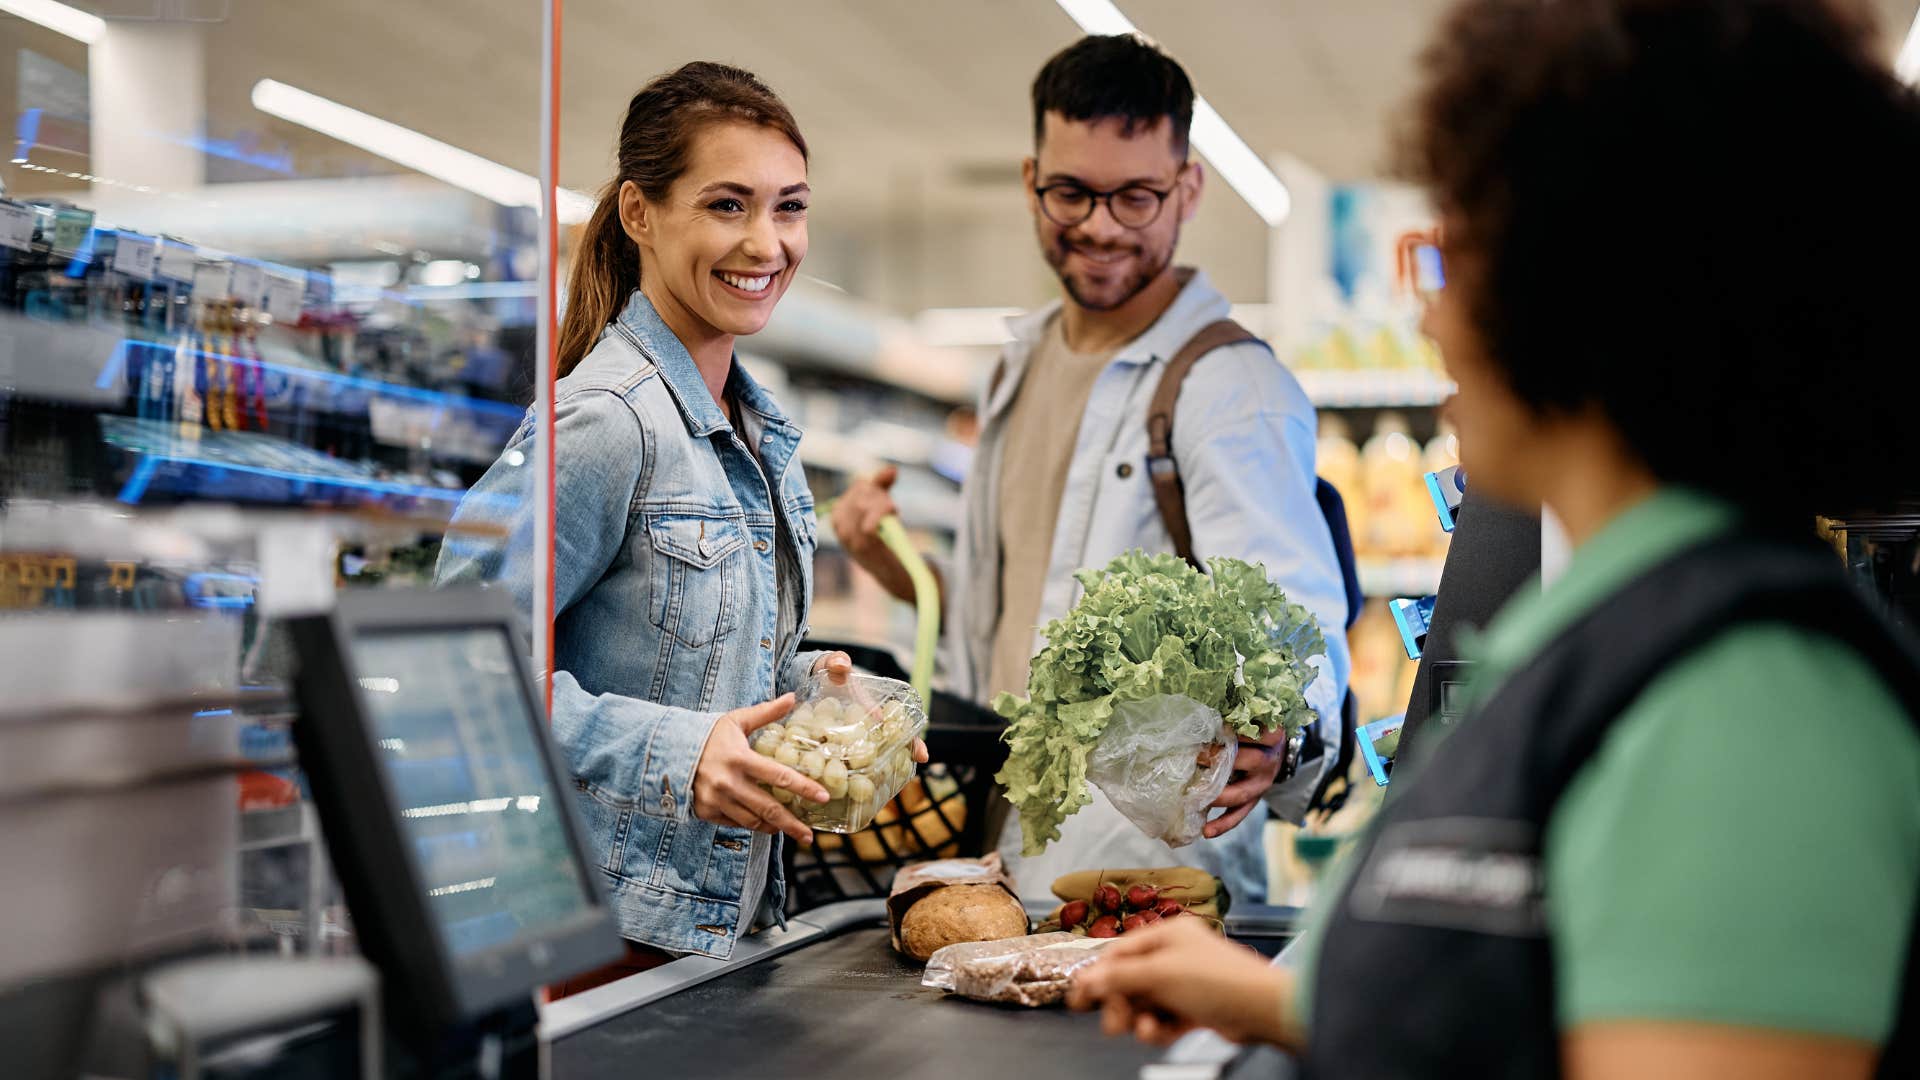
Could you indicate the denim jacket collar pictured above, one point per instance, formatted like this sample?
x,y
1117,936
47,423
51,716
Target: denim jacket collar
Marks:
x,y
682,376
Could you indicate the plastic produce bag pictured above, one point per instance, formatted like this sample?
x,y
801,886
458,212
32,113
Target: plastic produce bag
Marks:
x,y
1162,762
1031,971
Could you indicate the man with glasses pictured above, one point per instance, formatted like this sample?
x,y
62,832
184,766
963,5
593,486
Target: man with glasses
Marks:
x,y
1061,479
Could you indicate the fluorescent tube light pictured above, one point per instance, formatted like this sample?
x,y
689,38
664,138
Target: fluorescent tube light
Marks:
x,y
404,146
59,18
1907,64
1230,156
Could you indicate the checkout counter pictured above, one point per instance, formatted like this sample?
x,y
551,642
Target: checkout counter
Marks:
x,y
453,831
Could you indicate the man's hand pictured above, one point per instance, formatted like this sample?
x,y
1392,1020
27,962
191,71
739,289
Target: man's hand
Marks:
x,y
1162,981
1255,768
857,514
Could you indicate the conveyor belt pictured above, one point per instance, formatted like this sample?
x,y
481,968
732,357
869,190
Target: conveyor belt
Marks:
x,y
828,998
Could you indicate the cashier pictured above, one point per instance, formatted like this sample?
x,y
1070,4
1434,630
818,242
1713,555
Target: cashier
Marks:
x,y
684,534
1678,834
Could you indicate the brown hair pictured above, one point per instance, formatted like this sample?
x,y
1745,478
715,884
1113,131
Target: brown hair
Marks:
x,y
656,140
1694,216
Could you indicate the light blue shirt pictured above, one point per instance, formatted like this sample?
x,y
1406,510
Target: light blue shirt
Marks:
x,y
1244,437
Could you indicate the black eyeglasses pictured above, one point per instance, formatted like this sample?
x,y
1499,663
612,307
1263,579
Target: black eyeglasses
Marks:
x,y
1134,206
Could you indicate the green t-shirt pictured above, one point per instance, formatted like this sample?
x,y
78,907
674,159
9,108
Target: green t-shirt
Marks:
x,y
1744,848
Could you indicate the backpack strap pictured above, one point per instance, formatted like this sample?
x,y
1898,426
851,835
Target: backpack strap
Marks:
x,y
1162,470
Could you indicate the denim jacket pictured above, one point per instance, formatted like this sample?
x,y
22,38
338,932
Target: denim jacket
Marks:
x,y
666,612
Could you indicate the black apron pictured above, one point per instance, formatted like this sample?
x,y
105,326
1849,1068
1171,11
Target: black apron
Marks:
x,y
1436,961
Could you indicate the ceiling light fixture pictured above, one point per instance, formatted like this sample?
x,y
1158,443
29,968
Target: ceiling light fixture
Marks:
x,y
1907,64
61,19
1229,154
405,146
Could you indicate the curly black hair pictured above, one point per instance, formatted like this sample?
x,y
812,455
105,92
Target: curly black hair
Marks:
x,y
1699,217
1115,77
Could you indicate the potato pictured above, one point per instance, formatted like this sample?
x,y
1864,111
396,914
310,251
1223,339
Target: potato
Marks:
x,y
957,913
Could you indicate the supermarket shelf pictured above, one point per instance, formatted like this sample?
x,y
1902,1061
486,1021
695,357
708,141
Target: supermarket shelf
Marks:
x,y
1402,388
250,467
1400,577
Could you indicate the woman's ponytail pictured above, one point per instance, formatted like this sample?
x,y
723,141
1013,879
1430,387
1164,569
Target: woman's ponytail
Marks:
x,y
606,270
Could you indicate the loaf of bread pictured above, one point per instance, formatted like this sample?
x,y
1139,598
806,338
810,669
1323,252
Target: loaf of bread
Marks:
x,y
958,913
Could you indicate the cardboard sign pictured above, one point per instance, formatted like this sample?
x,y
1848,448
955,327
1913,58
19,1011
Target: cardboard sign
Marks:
x,y
16,226
176,261
212,281
285,297
135,256
249,283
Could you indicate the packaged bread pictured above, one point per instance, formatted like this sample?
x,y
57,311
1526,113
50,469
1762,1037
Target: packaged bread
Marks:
x,y
1032,971
951,901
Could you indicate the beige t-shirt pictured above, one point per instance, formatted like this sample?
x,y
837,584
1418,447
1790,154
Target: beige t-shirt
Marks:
x,y
1042,426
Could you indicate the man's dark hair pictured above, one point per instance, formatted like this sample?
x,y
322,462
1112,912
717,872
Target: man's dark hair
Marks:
x,y
1698,218
1120,77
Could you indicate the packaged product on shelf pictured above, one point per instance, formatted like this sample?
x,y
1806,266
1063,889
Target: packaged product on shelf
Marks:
x,y
855,739
949,901
1337,460
1398,512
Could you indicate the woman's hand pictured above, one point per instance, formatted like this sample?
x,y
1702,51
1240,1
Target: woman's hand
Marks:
x,y
726,783
838,668
1161,982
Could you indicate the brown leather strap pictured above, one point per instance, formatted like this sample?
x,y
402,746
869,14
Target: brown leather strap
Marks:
x,y
1162,470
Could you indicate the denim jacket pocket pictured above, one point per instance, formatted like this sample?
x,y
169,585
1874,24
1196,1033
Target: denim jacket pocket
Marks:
x,y
696,576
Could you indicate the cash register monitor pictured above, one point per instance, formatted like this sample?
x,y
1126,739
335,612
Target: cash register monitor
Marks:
x,y
447,813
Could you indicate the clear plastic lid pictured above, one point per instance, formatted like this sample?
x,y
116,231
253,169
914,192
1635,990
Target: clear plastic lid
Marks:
x,y
855,738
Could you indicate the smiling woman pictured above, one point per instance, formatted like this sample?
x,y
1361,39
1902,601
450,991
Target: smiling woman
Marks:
x,y
684,527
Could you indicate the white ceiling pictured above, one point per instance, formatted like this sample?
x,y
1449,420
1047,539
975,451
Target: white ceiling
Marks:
x,y
916,110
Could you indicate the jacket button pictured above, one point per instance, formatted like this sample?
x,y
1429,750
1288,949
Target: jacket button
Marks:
x,y
766,643
1125,470
760,546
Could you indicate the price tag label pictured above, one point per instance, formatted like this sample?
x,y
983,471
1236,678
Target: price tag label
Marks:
x,y
285,297
16,226
212,281
70,228
176,261
249,282
135,256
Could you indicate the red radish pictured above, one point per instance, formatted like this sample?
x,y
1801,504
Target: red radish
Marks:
x,y
1142,897
1134,922
1170,907
1149,917
1073,914
1103,927
1107,899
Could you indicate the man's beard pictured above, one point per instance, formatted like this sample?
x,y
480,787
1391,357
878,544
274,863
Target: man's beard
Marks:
x,y
1147,267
